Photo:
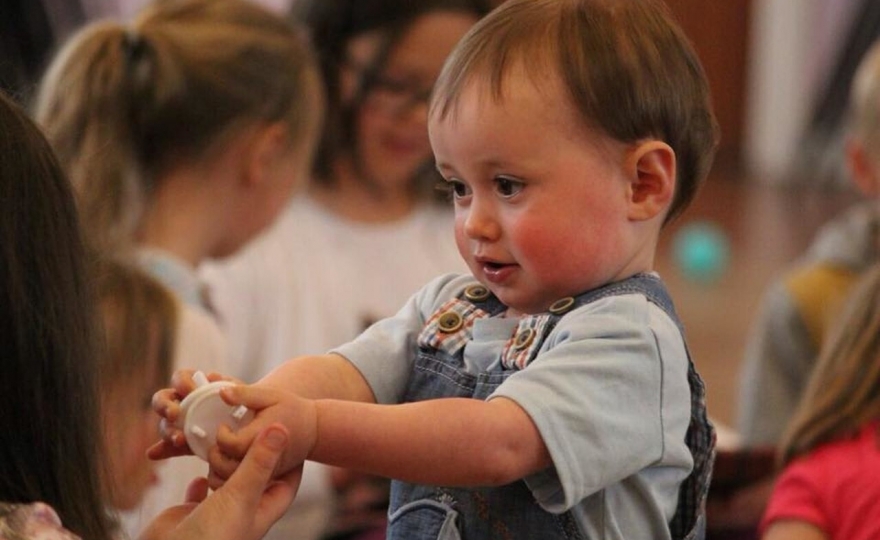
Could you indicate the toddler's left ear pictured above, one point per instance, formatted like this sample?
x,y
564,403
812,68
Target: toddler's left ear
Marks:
x,y
651,167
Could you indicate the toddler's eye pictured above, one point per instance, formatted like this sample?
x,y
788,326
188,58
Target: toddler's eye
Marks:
x,y
458,188
507,187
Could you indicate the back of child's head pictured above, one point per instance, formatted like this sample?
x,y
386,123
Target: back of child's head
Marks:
x,y
139,318
843,392
626,67
864,102
124,104
333,24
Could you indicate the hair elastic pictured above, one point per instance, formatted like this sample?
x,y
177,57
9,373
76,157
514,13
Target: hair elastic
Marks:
x,y
134,45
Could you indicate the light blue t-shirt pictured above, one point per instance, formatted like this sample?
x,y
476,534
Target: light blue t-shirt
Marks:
x,y
608,392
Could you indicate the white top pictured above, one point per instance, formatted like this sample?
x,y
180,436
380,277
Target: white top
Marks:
x,y
315,281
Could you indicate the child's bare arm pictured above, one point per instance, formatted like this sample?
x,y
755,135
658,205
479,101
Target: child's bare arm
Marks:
x,y
328,376
448,441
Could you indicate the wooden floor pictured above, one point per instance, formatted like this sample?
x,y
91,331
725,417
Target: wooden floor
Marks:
x,y
767,227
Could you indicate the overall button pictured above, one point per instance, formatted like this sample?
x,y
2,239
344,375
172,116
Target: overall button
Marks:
x,y
449,322
476,293
524,339
561,306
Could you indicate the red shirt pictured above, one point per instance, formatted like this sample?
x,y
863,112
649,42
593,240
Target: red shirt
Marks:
x,y
836,488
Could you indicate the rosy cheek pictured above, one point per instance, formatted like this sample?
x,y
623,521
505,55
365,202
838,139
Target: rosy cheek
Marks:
x,y
461,239
533,243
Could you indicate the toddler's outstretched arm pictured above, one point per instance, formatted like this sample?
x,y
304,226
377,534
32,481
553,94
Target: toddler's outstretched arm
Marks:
x,y
447,441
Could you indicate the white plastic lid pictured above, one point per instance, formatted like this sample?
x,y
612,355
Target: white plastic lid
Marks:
x,y
203,411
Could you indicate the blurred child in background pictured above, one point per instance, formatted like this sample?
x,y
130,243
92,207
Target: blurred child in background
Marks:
x,y
184,134
139,318
798,308
829,488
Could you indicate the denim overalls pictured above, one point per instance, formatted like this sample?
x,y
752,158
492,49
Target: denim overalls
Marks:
x,y
510,512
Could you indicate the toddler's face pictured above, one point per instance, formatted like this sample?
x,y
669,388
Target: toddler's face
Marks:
x,y
540,201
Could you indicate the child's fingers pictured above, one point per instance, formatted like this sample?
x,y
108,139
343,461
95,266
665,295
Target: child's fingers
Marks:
x,y
164,450
197,490
252,397
182,381
166,404
236,443
173,443
213,376
171,434
215,482
221,465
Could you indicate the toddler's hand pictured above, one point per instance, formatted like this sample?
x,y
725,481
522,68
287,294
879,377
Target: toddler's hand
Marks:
x,y
271,406
166,403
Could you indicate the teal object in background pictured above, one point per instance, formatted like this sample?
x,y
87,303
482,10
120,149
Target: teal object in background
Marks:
x,y
701,251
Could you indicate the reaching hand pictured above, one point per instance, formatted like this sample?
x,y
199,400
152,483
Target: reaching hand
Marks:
x,y
244,507
272,406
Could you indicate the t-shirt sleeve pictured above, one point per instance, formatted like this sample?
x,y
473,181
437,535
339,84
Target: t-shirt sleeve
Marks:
x,y
596,394
384,352
796,495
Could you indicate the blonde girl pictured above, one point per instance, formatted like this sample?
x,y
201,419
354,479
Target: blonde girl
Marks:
x,y
186,130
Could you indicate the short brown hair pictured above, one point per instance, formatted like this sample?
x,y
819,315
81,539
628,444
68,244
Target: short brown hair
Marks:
x,y
627,67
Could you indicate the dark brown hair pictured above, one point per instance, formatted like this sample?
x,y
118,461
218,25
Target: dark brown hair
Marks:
x,y
627,67
333,24
51,443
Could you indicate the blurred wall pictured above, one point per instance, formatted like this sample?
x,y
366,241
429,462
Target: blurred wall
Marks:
x,y
793,49
719,30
